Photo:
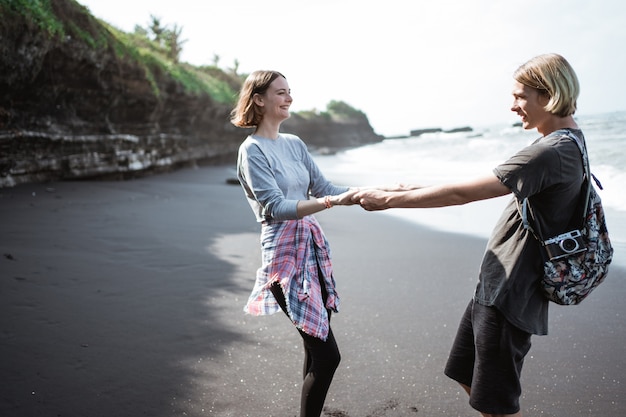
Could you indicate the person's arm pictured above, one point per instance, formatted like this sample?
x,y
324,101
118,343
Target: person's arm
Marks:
x,y
308,207
433,196
394,187
312,206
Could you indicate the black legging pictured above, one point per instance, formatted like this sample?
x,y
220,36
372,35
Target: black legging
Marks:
x,y
321,359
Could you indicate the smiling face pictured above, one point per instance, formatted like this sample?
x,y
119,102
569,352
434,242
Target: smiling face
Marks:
x,y
275,102
529,103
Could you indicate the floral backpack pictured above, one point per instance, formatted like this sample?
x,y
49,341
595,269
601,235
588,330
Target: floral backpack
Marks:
x,y
576,261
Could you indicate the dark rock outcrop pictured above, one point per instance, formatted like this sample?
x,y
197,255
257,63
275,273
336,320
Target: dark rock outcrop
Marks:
x,y
463,129
78,103
419,132
327,133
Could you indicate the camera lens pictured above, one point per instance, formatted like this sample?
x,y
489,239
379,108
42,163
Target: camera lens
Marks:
x,y
569,245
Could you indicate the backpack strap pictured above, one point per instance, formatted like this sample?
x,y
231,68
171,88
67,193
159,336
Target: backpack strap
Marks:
x,y
526,223
583,151
588,175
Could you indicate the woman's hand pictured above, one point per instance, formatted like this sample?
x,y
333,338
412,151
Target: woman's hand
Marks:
x,y
344,199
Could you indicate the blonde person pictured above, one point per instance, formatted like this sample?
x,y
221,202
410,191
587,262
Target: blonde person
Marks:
x,y
278,175
508,305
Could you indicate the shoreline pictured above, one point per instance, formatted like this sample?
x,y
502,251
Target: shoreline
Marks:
x,y
126,298
475,219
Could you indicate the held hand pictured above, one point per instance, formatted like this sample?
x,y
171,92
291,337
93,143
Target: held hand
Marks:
x,y
371,200
344,199
400,187
393,187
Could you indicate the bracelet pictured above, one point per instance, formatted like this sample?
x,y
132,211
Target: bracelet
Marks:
x,y
327,202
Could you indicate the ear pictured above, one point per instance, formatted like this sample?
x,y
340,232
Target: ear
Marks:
x,y
258,100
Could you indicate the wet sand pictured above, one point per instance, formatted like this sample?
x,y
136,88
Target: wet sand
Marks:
x,y
125,299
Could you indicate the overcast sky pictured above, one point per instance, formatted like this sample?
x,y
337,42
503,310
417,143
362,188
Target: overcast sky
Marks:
x,y
406,64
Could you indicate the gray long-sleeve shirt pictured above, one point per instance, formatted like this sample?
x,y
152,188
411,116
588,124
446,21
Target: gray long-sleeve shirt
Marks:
x,y
276,173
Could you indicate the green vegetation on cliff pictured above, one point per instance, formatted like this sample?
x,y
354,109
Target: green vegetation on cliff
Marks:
x,y
69,19
37,12
47,17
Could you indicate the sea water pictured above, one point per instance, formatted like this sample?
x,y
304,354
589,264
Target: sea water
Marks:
x,y
436,158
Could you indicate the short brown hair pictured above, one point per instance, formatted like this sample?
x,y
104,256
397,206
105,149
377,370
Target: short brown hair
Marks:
x,y
246,113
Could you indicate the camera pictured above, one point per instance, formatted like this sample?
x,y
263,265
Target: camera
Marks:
x,y
565,244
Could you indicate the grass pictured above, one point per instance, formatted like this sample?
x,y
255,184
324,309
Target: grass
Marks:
x,y
74,20
37,12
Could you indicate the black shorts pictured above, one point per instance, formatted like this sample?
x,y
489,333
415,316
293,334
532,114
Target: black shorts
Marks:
x,y
487,355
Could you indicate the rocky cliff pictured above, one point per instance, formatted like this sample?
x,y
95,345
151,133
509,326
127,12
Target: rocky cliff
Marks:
x,y
78,101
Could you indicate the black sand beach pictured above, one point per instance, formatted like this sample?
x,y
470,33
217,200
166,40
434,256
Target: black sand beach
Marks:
x,y
124,299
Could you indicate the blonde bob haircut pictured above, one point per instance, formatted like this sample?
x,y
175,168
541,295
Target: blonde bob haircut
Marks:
x,y
246,113
552,75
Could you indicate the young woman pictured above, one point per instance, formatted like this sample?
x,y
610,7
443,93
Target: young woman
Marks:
x,y
508,305
278,176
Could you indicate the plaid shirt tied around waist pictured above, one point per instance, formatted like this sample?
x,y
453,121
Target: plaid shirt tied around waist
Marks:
x,y
293,253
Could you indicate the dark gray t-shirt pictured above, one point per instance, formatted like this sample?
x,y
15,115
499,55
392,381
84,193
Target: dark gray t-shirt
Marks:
x,y
550,173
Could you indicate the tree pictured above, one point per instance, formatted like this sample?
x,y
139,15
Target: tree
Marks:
x,y
235,66
156,29
169,40
341,108
173,42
